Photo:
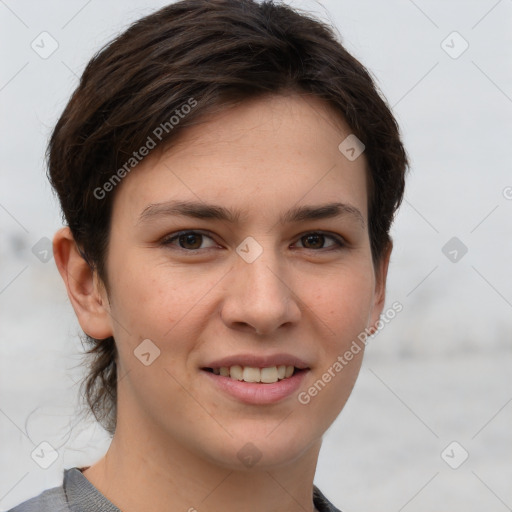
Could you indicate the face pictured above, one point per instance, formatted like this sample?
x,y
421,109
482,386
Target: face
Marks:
x,y
268,266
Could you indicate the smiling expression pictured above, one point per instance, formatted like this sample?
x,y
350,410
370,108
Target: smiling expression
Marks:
x,y
243,247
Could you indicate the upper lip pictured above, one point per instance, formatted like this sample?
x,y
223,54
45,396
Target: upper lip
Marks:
x,y
258,361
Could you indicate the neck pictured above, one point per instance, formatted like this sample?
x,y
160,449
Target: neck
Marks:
x,y
149,472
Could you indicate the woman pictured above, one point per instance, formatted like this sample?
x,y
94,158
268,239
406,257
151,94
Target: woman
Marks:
x,y
228,175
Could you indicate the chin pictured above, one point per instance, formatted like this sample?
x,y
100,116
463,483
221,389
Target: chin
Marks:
x,y
260,450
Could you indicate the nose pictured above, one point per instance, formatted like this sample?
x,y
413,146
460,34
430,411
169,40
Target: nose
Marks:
x,y
260,297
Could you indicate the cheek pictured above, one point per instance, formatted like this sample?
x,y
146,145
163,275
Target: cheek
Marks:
x,y
344,302
167,305
144,288
140,308
344,308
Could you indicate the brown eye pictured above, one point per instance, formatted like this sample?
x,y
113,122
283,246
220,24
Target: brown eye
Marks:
x,y
317,240
188,241
313,241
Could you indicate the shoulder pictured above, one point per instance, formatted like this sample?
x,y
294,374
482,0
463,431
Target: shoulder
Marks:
x,y
322,504
51,500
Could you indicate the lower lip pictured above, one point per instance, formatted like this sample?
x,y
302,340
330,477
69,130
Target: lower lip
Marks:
x,y
256,392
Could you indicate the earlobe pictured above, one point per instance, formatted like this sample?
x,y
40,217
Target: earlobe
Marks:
x,y
381,274
87,296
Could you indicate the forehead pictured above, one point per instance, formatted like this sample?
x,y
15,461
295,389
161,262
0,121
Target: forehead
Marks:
x,y
261,154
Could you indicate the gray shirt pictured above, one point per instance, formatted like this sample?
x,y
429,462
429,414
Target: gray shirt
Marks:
x,y
77,494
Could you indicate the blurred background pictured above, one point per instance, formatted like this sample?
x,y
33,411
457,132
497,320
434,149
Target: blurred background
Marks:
x,y
428,426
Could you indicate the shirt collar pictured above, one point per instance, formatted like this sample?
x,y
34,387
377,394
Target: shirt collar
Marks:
x,y
82,496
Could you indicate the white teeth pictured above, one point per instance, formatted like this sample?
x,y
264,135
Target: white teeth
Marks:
x,y
251,374
267,375
236,372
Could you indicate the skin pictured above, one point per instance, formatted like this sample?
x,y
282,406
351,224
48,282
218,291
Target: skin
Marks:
x,y
177,437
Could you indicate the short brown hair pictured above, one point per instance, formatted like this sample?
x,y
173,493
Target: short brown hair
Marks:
x,y
217,52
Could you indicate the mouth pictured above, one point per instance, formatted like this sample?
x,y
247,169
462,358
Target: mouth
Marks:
x,y
256,379
266,375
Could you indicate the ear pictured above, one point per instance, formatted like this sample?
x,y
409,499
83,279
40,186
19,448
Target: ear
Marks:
x,y
85,291
381,274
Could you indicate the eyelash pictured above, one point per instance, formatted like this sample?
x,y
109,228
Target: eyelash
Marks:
x,y
167,241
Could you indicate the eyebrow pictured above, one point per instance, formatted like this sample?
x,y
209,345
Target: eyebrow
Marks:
x,y
201,210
